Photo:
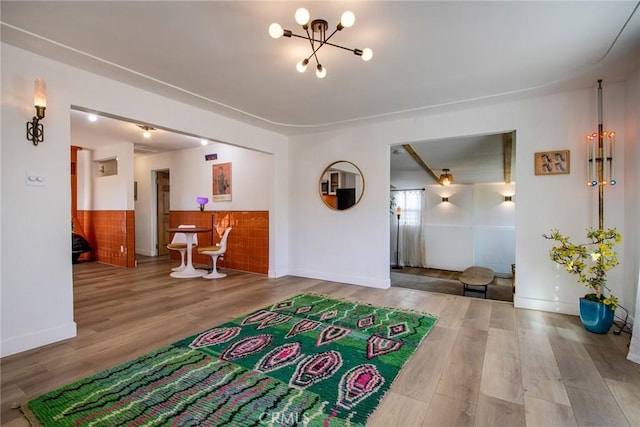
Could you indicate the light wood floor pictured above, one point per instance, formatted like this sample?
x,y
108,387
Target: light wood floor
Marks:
x,y
483,364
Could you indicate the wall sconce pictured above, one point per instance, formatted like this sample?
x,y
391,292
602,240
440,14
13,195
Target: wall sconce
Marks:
x,y
201,202
508,198
445,199
35,129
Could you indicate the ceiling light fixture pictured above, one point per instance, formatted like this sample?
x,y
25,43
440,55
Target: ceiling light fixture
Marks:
x,y
446,178
146,130
317,38
92,117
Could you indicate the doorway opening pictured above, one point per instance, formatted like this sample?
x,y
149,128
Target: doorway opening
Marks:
x,y
463,221
163,207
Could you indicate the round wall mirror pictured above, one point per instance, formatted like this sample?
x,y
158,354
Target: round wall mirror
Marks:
x,y
341,185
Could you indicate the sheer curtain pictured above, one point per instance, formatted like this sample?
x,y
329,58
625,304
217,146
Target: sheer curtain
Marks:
x,y
411,240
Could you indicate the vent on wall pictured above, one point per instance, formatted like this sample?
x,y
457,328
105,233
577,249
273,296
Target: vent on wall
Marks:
x,y
106,167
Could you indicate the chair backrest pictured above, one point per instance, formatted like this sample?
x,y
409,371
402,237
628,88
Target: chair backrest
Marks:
x,y
181,238
223,241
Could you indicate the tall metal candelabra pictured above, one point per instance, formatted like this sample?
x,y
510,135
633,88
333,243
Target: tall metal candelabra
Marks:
x,y
600,159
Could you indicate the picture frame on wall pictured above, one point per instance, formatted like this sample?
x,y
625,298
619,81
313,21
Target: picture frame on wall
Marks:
x,y
552,162
221,177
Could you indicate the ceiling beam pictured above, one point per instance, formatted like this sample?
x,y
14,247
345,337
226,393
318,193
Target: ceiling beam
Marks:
x,y
507,150
421,162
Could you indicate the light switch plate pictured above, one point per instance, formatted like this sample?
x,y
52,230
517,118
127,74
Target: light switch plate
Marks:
x,y
35,178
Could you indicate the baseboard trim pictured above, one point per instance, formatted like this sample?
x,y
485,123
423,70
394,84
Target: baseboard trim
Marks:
x,y
38,339
370,282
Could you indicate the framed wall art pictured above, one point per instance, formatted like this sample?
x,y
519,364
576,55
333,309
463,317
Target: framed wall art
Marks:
x,y
221,175
552,162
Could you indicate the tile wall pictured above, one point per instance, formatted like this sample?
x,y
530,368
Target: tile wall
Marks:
x,y
111,235
247,244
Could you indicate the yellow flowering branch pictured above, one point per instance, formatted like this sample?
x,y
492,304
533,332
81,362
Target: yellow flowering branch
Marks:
x,y
589,261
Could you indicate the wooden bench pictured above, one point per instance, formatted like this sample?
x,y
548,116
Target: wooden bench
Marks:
x,y
476,276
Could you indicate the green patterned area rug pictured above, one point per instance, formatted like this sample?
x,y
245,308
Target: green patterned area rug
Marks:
x,y
308,360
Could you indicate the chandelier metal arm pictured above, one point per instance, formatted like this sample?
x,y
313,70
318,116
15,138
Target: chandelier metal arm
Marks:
x,y
316,35
321,43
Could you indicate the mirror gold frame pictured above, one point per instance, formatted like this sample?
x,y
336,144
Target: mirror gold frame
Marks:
x,y
341,185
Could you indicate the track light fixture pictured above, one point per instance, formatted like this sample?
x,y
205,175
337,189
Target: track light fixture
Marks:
x,y
35,129
317,36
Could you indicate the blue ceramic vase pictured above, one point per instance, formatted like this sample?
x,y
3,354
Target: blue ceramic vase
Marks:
x,y
596,317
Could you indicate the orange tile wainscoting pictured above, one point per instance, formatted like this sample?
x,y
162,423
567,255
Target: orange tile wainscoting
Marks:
x,y
247,244
111,235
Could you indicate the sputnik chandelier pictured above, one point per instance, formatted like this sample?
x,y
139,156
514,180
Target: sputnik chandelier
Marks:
x,y
317,36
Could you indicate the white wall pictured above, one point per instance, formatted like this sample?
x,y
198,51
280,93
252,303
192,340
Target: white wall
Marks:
x,y
37,303
475,227
113,192
352,246
632,209
37,294
252,173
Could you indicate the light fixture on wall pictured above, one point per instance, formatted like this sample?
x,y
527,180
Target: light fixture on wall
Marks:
x,y
446,178
317,38
445,199
35,129
508,198
600,159
201,202
146,130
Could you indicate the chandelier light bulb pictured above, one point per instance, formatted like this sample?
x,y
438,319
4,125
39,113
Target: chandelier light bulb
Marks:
x,y
367,54
302,16
275,30
301,66
321,72
347,19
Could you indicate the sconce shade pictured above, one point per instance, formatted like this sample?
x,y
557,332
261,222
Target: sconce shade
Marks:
x,y
35,129
508,198
40,93
445,199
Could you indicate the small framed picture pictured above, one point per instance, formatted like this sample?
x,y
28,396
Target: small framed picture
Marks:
x,y
552,162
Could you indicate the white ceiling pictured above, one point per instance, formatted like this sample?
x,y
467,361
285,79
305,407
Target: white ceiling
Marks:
x,y
427,55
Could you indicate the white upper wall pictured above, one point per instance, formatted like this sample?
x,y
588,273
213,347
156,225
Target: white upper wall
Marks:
x,y
306,237
252,175
37,303
352,246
